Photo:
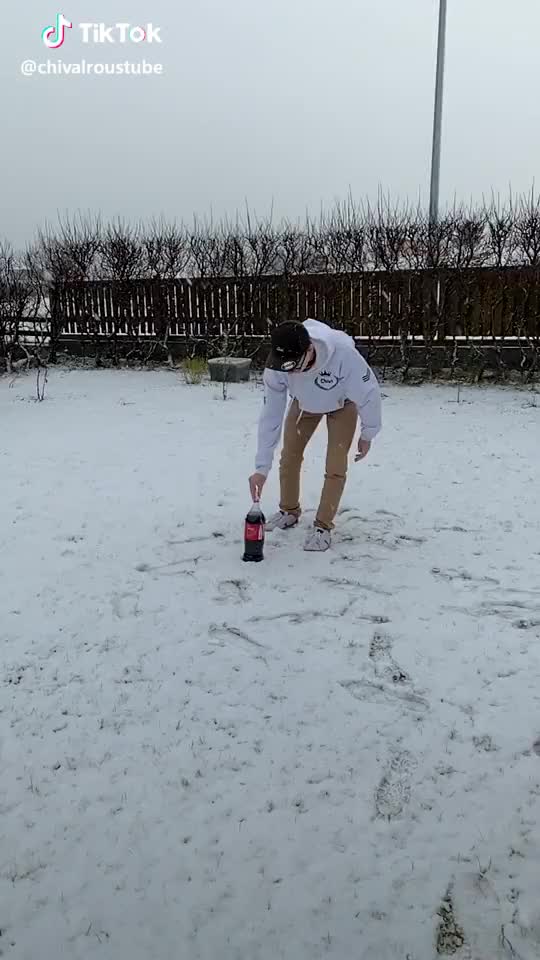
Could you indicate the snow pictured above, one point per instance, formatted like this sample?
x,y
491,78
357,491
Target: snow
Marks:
x,y
298,759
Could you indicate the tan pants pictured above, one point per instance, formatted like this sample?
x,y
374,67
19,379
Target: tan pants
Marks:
x,y
297,434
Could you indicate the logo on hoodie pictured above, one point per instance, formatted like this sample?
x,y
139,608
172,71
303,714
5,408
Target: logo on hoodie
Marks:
x,y
327,381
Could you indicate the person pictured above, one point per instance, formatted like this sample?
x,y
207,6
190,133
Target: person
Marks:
x,y
322,371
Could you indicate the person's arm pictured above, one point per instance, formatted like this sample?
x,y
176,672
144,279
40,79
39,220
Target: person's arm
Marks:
x,y
271,419
363,390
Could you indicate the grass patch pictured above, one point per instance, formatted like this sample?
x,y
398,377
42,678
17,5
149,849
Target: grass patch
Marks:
x,y
194,370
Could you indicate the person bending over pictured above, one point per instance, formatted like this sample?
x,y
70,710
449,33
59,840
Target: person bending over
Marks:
x,y
324,375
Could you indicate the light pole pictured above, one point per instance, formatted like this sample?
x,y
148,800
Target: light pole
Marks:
x,y
437,119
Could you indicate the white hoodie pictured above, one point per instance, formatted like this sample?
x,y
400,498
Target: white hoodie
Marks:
x,y
340,373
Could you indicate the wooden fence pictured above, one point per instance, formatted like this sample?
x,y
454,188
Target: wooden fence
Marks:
x,y
402,318
483,304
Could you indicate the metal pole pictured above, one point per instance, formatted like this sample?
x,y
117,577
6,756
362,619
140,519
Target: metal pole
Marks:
x,y
437,119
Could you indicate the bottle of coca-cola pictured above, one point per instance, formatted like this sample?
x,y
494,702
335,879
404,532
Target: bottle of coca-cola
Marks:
x,y
254,535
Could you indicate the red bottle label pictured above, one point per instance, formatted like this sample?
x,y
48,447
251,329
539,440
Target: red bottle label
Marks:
x,y
254,532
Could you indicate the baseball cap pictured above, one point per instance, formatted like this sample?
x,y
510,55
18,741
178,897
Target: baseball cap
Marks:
x,y
290,342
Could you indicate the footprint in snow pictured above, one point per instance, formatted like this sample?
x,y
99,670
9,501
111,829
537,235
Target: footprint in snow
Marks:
x,y
386,668
232,591
391,682
394,791
380,647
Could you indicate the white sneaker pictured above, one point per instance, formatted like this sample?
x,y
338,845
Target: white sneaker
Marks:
x,y
317,541
281,521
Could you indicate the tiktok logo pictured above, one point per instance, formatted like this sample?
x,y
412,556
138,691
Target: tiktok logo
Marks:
x,y
54,36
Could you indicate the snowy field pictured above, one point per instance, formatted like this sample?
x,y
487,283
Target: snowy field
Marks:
x,y
321,756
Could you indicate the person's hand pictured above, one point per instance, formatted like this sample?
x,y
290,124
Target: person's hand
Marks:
x,y
364,446
256,483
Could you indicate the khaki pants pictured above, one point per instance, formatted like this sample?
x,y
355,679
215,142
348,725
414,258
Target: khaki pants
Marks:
x,y
297,434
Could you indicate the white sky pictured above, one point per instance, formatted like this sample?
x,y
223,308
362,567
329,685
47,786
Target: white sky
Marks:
x,y
290,102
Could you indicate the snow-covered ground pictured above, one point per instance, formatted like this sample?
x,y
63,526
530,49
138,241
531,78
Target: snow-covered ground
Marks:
x,y
208,760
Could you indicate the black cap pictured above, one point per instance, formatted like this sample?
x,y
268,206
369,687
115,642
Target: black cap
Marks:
x,y
290,342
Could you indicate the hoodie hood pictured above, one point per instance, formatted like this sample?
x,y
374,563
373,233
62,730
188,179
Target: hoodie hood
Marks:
x,y
323,339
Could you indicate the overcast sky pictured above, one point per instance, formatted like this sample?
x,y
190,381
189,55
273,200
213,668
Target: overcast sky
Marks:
x,y
283,102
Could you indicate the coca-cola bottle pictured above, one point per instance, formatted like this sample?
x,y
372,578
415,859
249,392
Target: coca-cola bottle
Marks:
x,y
254,535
